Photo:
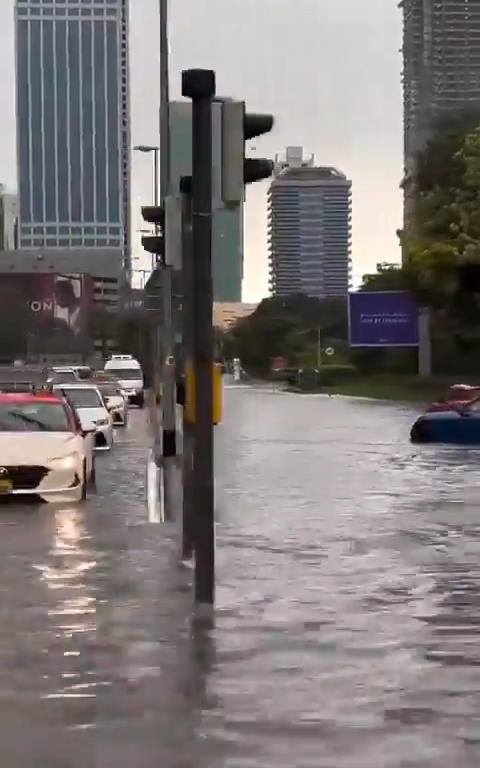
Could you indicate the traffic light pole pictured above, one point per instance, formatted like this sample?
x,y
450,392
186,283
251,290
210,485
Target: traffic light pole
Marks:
x,y
188,501
199,86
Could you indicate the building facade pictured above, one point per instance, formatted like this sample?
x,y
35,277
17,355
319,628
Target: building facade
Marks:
x,y
8,220
227,234
309,228
441,70
73,126
225,315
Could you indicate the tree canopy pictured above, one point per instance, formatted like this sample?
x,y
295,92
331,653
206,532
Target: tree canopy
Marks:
x,y
286,327
446,219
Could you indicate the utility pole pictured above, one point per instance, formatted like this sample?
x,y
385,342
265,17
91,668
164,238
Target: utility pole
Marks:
x,y
188,501
166,333
199,86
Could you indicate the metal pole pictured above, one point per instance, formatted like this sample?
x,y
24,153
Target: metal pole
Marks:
x,y
166,333
319,347
199,85
164,102
156,179
188,502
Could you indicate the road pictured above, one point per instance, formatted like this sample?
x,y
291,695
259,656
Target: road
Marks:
x,y
348,605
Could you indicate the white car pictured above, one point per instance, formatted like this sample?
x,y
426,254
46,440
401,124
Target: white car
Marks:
x,y
116,402
64,374
90,407
129,373
43,451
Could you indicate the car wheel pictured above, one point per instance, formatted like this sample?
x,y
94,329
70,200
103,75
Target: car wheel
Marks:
x,y
418,433
141,401
84,482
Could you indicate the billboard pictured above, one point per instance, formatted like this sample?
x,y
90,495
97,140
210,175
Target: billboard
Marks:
x,y
382,319
45,312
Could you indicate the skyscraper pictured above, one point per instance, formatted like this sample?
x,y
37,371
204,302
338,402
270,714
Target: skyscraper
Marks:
x,y
441,70
309,228
73,127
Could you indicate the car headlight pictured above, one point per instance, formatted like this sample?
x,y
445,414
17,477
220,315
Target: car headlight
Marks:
x,y
102,422
64,462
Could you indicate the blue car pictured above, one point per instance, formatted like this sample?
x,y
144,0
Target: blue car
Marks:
x,y
459,426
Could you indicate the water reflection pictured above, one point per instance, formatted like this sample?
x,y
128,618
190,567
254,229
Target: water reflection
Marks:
x,y
67,573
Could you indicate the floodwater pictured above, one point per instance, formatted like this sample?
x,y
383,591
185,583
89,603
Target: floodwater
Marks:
x,y
348,604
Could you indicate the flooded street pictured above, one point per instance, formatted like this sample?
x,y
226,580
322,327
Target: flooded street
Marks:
x,y
348,619
350,588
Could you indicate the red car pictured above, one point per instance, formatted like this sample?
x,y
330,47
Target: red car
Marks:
x,y
455,397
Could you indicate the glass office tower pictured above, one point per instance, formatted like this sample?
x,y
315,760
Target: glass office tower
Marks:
x,y
73,127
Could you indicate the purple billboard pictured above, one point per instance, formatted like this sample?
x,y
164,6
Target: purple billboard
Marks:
x,y
382,319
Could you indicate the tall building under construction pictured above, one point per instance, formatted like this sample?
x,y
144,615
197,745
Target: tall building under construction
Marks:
x,y
441,69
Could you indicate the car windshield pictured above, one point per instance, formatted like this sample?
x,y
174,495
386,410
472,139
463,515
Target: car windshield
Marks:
x,y
126,373
31,416
84,373
83,398
60,376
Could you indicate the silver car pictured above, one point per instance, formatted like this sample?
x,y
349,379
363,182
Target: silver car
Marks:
x,y
116,402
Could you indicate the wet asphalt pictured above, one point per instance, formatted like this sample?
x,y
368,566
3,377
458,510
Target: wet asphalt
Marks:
x,y
348,605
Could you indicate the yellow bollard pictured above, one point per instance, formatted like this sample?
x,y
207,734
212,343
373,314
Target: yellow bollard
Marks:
x,y
217,393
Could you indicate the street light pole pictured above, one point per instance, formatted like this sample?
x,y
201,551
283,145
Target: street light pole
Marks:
x,y
169,409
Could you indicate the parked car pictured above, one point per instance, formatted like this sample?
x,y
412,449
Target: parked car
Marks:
x,y
458,425
43,450
90,406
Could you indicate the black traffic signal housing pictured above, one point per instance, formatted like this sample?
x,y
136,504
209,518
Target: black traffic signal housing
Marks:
x,y
256,168
154,243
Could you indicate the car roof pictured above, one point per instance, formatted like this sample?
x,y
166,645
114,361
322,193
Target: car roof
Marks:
x,y
28,397
76,385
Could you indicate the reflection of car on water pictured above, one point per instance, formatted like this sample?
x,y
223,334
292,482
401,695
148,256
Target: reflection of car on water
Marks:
x,y
457,395
457,425
43,451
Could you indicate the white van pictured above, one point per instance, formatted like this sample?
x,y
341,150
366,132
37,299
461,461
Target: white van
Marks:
x,y
129,373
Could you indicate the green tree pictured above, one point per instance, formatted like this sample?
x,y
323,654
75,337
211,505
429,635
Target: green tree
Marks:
x,y
285,327
447,230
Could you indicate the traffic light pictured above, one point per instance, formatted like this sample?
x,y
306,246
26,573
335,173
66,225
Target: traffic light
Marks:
x,y
154,243
256,168
237,170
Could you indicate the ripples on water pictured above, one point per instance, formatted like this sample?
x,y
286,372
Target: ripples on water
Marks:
x,y
349,572
347,632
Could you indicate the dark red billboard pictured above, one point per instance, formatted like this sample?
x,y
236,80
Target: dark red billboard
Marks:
x,y
48,311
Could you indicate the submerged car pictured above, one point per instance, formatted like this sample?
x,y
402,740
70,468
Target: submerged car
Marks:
x,y
43,450
457,425
90,407
457,395
115,400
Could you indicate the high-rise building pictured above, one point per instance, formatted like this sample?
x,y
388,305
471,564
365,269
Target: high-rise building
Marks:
x,y
227,234
8,220
73,126
441,70
309,228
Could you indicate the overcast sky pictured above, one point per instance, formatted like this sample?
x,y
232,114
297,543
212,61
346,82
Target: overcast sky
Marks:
x,y
329,70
